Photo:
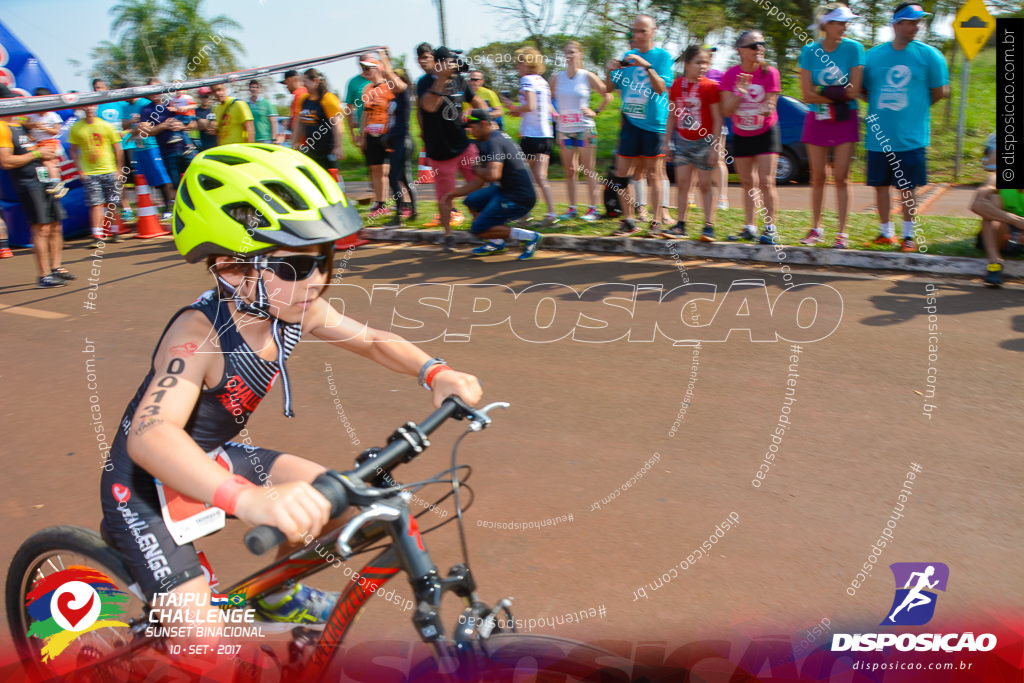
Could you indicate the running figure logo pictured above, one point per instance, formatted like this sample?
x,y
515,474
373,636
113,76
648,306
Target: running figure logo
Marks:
x,y
914,603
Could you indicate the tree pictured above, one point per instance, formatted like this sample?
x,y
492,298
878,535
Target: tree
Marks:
x,y
198,43
172,38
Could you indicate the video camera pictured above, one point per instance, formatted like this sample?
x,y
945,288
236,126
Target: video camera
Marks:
x,y
443,53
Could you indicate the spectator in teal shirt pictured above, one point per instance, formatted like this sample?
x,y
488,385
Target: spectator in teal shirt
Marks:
x,y
354,97
643,75
902,80
264,118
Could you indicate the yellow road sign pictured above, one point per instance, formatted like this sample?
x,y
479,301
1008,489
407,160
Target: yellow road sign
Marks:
x,y
972,26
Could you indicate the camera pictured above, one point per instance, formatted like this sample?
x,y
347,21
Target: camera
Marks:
x,y
443,53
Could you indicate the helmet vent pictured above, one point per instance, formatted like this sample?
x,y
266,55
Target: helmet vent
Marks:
x,y
287,195
186,197
312,178
266,148
247,215
178,225
208,183
226,159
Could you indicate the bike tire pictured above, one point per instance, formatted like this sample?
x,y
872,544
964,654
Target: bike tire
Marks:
x,y
523,656
40,549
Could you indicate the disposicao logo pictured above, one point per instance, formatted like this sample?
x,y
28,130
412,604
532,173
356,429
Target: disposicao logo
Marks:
x,y
926,577
914,605
71,602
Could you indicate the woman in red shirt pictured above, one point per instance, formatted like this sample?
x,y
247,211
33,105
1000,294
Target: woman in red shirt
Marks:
x,y
694,107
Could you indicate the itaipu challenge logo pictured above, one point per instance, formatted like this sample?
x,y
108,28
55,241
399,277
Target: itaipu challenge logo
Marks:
x,y
69,603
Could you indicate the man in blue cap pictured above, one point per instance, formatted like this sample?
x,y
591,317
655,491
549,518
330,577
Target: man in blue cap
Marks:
x,y
902,80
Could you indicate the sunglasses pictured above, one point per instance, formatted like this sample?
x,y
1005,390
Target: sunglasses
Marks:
x,y
476,79
297,267
754,46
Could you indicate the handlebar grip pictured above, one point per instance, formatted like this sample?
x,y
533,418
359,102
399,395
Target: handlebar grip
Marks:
x,y
262,538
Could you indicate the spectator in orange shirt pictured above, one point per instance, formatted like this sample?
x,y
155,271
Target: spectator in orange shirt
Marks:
x,y
319,112
378,95
293,81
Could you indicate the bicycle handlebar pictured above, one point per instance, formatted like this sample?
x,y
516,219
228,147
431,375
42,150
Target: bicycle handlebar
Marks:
x,y
407,442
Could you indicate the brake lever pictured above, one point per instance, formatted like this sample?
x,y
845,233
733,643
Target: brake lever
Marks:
x,y
480,419
376,511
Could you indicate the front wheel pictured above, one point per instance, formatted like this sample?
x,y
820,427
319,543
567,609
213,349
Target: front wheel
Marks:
x,y
787,170
34,592
521,656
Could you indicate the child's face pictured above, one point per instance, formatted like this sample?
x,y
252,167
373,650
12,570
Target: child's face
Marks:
x,y
294,297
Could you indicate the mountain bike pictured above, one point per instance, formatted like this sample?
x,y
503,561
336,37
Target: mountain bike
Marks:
x,y
485,639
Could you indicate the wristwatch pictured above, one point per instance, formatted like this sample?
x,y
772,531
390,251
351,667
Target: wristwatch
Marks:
x,y
426,366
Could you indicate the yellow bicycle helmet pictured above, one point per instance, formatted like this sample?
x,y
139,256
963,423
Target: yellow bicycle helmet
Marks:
x,y
247,199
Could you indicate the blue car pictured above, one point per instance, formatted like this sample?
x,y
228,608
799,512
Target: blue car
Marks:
x,y
793,165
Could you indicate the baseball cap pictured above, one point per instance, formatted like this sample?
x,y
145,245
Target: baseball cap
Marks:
x,y
910,12
288,74
205,90
476,116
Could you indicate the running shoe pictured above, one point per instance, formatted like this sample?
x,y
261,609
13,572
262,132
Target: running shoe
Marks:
x,y
50,281
448,243
907,245
813,237
691,202
488,249
97,242
407,212
62,273
60,190
433,222
549,220
994,275
677,230
723,203
708,235
655,230
642,215
626,228
530,248
842,242
882,241
570,214
394,222
6,253
127,214
302,605
769,237
456,220
745,234
591,215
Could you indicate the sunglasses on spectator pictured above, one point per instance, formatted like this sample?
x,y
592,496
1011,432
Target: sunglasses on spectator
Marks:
x,y
297,267
754,46
476,79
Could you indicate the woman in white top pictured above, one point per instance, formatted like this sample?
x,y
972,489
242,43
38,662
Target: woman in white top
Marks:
x,y
577,133
535,135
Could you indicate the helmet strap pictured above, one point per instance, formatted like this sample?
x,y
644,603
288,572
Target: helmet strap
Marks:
x,y
260,309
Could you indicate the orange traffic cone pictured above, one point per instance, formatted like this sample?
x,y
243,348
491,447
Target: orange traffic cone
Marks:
x,y
119,231
353,240
147,226
425,174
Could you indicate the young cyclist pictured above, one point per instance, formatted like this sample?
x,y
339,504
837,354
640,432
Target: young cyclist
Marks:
x,y
271,252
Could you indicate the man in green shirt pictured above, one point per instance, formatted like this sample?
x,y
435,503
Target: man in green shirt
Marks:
x,y
233,118
263,114
354,96
1002,225
476,84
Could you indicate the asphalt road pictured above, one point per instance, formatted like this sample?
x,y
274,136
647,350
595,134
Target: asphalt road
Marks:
x,y
586,418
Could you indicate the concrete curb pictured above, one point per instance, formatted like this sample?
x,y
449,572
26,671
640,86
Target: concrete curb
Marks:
x,y
794,255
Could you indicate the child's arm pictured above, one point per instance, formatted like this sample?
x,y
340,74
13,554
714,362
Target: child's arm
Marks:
x,y
159,443
390,350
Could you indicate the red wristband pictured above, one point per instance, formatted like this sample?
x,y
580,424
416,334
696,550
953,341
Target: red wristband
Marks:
x,y
226,495
432,372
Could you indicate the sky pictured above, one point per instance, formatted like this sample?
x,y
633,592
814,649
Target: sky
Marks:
x,y
273,31
276,31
